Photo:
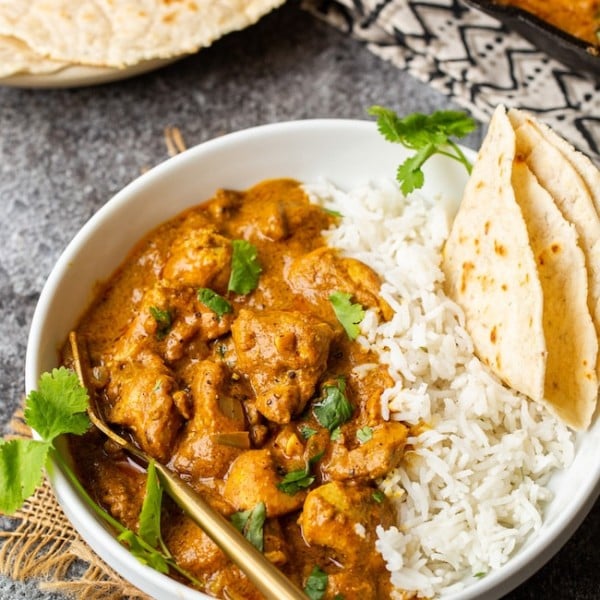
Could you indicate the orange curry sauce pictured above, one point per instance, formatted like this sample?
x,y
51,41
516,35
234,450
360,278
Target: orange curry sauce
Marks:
x,y
580,18
228,401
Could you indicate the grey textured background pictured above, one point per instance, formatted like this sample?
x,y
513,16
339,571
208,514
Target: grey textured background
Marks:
x,y
64,153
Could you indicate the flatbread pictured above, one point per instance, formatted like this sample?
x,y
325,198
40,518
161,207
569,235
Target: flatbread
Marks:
x,y
119,33
585,168
490,269
571,384
570,193
17,57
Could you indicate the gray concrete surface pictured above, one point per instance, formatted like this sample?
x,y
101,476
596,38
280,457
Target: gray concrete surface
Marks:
x,y
64,153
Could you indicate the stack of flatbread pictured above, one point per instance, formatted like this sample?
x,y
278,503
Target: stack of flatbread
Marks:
x,y
42,36
523,260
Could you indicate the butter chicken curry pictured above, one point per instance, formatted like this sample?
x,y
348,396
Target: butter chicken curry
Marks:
x,y
256,397
579,18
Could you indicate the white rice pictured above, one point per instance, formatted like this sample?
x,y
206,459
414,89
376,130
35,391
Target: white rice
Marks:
x,y
473,489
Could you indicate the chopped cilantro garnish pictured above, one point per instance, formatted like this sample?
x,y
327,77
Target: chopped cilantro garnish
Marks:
x,y
364,434
378,496
316,584
336,434
427,135
245,267
349,314
333,213
251,523
163,319
294,481
334,408
214,301
307,432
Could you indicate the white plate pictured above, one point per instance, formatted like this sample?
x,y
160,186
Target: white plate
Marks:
x,y
347,153
83,75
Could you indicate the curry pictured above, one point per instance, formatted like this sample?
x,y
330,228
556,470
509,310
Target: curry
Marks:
x,y
580,18
233,395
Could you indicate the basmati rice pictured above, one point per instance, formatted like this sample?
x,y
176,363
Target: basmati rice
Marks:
x,y
472,487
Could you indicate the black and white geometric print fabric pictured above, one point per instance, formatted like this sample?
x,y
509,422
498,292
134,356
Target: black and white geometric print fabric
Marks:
x,y
473,59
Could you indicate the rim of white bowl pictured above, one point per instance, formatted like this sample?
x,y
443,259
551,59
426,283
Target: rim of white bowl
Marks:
x,y
521,566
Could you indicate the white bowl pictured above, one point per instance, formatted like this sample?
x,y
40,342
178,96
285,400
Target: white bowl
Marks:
x,y
345,152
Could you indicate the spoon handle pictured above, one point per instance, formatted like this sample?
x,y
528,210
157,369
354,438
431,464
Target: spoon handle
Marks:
x,y
267,578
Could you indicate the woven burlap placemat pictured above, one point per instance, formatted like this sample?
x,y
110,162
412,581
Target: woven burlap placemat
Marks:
x,y
43,546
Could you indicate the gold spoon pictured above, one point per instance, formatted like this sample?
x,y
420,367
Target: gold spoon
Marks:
x,y
267,578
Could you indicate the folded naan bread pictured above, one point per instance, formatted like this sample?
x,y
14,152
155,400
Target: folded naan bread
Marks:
x,y
522,259
490,268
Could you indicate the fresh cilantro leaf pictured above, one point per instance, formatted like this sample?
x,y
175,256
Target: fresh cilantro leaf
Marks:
x,y
428,135
245,267
214,301
333,213
21,465
143,552
307,432
294,481
149,520
251,523
348,314
164,320
336,434
316,584
364,434
58,406
334,409
479,575
378,496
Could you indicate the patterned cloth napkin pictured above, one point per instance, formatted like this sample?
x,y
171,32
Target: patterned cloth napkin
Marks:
x,y
473,59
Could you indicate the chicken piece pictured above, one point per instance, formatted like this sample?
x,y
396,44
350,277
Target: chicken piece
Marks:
x,y
140,394
199,259
253,478
354,584
283,353
173,316
343,517
371,459
195,552
216,434
120,489
269,213
367,387
319,273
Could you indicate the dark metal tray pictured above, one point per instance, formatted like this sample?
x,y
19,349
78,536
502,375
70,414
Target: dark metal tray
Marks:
x,y
571,51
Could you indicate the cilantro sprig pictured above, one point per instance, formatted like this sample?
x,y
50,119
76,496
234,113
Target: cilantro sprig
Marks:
x,y
427,135
348,313
56,408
